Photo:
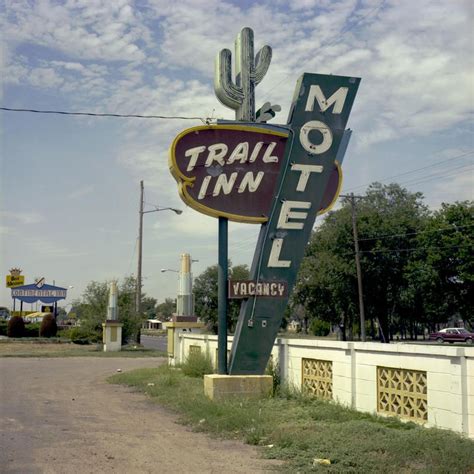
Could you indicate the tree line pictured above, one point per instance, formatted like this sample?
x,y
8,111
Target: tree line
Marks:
x,y
417,269
416,264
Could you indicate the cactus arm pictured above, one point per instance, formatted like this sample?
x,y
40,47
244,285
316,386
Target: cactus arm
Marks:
x,y
227,93
262,63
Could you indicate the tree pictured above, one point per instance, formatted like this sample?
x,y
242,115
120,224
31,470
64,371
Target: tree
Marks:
x,y
91,308
166,309
443,272
388,219
205,294
148,307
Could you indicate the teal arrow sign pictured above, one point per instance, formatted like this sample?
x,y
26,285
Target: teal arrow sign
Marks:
x,y
317,121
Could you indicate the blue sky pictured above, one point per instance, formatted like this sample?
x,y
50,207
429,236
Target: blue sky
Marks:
x,y
70,185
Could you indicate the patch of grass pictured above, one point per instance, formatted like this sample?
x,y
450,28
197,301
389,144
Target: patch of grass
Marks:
x,y
300,429
39,347
197,365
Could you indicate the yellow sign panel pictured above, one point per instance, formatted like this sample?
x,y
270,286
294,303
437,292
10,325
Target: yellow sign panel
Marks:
x,y
21,313
14,280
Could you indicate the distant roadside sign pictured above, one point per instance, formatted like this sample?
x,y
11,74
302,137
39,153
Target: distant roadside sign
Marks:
x,y
15,280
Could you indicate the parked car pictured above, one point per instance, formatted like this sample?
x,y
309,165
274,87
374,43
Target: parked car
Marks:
x,y
453,335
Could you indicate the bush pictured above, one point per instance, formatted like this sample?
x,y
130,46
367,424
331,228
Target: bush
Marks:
x,y
319,328
273,369
3,327
31,330
197,364
81,335
16,327
48,327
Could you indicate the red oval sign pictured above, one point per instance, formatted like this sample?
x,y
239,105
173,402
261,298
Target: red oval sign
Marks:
x,y
228,171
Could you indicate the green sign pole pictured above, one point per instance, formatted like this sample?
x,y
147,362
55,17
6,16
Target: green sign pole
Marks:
x,y
240,96
222,271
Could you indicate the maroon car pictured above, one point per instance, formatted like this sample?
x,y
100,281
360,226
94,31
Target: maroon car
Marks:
x,y
453,335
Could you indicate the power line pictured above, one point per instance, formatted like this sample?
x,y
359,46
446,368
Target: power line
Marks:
x,y
448,174
437,163
206,120
133,256
93,114
454,227
415,249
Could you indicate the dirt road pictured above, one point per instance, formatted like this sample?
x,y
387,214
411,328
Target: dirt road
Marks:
x,y
60,416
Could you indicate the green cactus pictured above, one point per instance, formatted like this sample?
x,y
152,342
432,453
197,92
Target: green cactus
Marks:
x,y
249,73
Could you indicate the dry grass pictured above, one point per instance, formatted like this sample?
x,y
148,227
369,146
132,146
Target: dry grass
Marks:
x,y
297,429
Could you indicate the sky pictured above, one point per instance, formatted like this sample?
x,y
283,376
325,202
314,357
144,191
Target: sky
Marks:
x,y
69,188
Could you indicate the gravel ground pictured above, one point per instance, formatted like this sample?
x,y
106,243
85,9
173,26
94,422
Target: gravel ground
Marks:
x,y
60,416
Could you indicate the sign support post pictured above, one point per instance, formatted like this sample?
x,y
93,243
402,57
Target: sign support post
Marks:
x,y
222,276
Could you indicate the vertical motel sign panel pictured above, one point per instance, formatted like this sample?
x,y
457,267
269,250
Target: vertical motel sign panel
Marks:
x,y
317,119
276,176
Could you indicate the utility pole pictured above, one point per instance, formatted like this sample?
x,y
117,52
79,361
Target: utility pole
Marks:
x,y
352,199
138,295
139,269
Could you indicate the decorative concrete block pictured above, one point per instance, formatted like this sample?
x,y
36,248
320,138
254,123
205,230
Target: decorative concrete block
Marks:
x,y
222,387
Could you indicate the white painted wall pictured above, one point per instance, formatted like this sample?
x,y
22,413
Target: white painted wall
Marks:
x,y
450,372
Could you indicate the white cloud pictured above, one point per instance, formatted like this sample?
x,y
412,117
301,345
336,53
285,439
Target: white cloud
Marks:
x,y
459,186
80,192
45,78
89,30
49,248
26,218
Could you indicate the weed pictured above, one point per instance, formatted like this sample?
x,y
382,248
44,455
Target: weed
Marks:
x,y
197,364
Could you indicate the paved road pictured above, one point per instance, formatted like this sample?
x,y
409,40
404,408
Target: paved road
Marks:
x,y
158,343
60,416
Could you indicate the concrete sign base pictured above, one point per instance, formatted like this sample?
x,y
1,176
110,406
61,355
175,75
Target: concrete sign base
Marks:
x,y
222,387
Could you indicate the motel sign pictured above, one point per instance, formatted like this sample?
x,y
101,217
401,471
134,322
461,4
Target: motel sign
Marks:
x,y
278,176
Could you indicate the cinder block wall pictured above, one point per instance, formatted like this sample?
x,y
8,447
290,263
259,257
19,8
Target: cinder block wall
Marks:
x,y
429,384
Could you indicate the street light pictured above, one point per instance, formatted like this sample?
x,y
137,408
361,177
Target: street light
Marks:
x,y
140,242
163,270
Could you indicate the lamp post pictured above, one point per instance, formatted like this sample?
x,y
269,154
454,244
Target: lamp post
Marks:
x,y
140,245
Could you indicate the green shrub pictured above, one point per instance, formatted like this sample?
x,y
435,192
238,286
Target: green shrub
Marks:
x,y
31,330
48,327
3,327
81,335
16,327
273,369
197,364
319,328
